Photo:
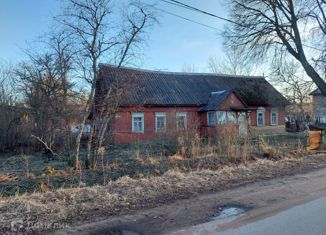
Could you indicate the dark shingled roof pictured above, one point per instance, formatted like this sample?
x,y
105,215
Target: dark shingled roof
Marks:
x,y
159,88
215,99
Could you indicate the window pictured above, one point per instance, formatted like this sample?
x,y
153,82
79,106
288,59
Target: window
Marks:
x,y
260,117
211,118
138,122
221,117
181,120
232,117
274,117
160,122
322,120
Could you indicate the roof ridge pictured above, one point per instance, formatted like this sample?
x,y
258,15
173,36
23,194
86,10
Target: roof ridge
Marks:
x,y
181,73
219,92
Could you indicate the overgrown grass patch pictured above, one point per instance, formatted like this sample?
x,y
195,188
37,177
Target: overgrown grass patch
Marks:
x,y
34,173
69,205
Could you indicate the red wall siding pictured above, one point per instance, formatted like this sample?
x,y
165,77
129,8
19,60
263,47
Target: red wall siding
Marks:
x,y
253,118
232,100
204,128
281,116
122,125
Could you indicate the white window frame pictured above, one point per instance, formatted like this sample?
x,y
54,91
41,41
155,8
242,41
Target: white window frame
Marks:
x,y
160,114
273,111
219,122
138,115
181,114
235,120
215,118
261,110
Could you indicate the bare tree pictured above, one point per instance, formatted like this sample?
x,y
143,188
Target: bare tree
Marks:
x,y
11,131
234,62
259,26
8,94
190,69
317,15
61,46
43,79
293,83
138,18
93,29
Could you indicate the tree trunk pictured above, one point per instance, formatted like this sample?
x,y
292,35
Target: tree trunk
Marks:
x,y
78,139
311,72
88,161
82,125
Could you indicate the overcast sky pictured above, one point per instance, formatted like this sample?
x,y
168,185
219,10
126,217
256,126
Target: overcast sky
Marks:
x,y
172,44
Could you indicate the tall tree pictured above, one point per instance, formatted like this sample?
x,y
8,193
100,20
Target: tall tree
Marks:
x,y
293,83
98,36
43,80
283,26
8,94
9,112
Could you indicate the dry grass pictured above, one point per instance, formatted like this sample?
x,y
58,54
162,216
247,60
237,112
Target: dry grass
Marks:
x,y
30,173
67,206
7,177
188,153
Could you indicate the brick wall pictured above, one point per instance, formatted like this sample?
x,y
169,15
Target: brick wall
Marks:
x,y
281,116
122,124
232,100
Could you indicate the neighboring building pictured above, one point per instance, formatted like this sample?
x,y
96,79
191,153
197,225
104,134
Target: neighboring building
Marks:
x,y
319,106
158,105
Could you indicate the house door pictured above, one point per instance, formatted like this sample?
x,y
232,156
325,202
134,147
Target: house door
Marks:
x,y
243,124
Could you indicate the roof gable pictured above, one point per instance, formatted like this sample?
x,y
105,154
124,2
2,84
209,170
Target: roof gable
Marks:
x,y
214,101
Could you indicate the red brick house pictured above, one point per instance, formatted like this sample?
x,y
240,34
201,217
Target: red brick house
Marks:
x,y
159,104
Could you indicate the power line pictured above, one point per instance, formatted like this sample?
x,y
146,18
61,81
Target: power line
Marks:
x,y
186,6
187,19
195,9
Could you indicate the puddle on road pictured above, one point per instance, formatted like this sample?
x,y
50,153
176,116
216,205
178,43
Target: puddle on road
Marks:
x,y
224,213
229,211
120,232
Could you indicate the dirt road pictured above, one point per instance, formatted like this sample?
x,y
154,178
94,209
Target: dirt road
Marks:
x,y
307,218
262,199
